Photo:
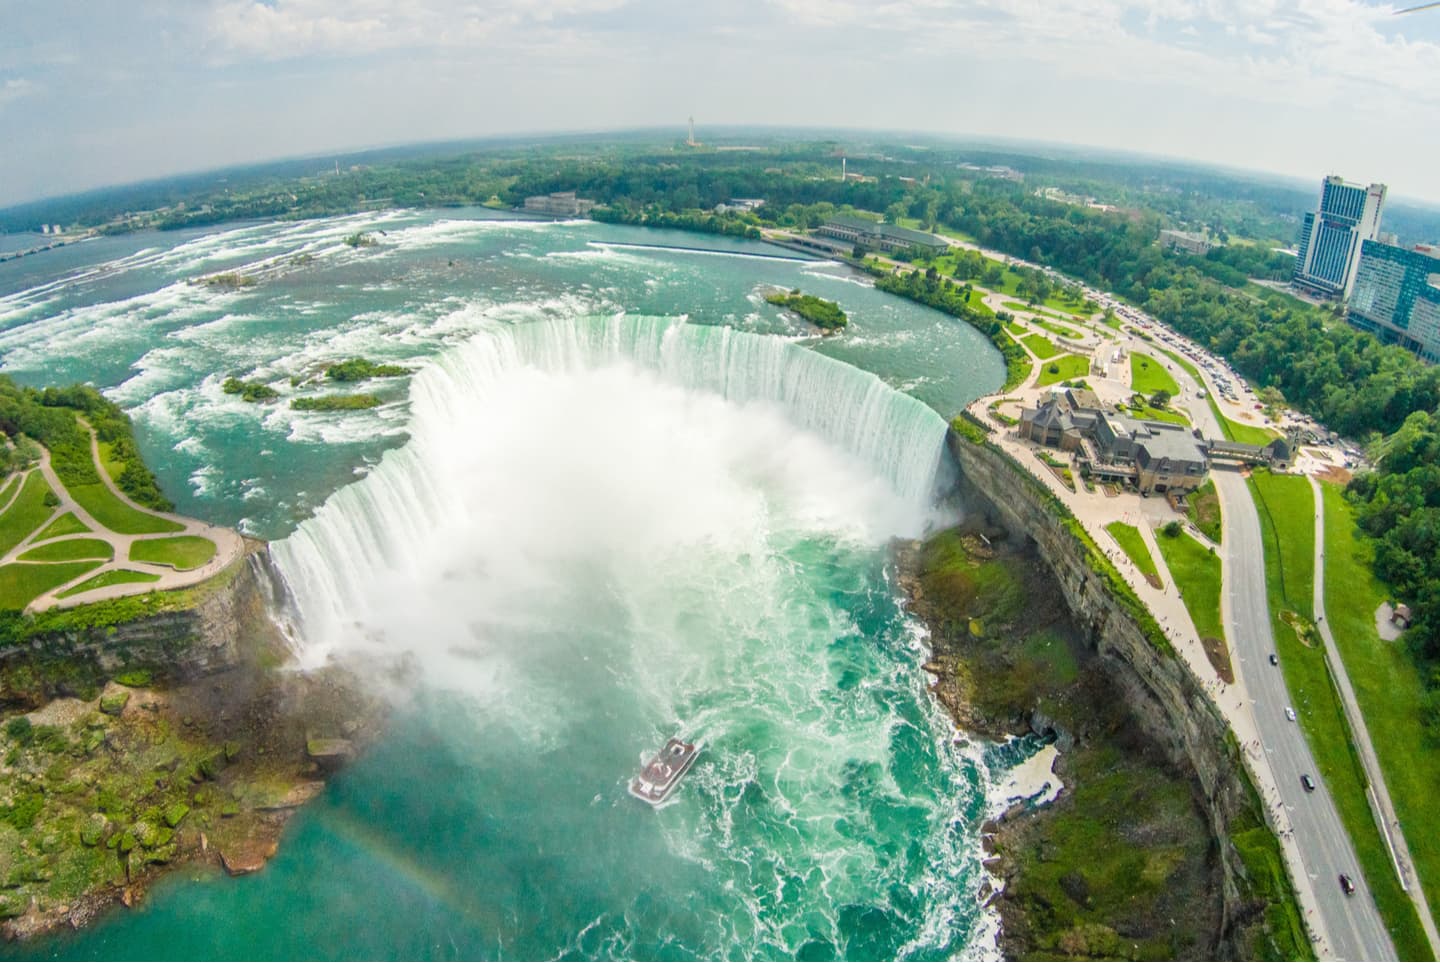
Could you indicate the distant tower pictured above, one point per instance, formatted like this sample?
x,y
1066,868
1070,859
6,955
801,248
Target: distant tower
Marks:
x,y
1331,236
842,168
691,141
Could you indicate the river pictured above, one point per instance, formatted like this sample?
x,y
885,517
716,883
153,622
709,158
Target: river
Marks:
x,y
619,498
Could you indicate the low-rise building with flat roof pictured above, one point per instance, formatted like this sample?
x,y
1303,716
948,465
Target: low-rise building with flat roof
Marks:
x,y
873,235
559,204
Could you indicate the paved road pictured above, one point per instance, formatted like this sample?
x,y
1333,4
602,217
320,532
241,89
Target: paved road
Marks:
x,y
1350,926
1352,923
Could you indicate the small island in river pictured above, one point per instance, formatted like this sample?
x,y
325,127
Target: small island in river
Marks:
x,y
825,315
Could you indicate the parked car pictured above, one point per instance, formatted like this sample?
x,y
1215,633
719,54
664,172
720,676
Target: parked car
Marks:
x,y
1274,660
1347,884
1290,713
1307,782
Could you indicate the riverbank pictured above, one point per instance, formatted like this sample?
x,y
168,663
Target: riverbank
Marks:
x,y
178,740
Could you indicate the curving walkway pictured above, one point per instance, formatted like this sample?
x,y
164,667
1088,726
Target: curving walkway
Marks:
x,y
229,545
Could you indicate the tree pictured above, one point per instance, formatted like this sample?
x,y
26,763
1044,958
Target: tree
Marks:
x,y
1160,399
1171,529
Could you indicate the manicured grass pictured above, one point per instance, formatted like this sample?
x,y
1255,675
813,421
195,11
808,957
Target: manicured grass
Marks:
x,y
1067,367
66,524
1148,375
1287,508
1287,526
28,512
1202,507
1151,413
116,576
183,552
69,550
1133,544
113,466
1061,330
1387,684
11,484
110,511
1196,572
20,583
1042,346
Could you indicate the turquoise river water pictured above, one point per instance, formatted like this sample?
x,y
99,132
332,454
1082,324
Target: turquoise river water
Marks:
x,y
619,498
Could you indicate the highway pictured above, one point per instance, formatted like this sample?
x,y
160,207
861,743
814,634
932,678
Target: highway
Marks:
x,y
1351,923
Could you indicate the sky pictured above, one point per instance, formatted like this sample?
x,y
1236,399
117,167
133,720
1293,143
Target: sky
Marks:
x,y
101,92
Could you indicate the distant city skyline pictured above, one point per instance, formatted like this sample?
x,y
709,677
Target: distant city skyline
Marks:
x,y
99,95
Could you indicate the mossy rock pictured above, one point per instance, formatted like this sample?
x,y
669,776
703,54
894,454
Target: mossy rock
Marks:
x,y
13,905
137,679
125,842
114,703
229,808
175,813
94,739
152,836
232,749
163,854
977,629
93,830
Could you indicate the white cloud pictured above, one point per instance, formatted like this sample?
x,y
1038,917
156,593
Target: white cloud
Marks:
x,y
242,29
15,89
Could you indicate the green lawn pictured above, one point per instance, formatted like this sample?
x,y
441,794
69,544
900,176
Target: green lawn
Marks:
x,y
1042,346
1133,544
1148,375
116,576
1067,367
1202,507
113,466
10,485
1287,507
1149,412
1387,684
69,550
1196,572
66,524
110,511
28,512
20,583
1287,524
183,552
1061,330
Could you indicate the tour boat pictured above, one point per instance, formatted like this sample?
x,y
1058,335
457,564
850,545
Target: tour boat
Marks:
x,y
662,773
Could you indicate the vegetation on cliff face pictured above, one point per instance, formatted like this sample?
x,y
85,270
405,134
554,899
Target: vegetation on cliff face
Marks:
x,y
1120,866
825,315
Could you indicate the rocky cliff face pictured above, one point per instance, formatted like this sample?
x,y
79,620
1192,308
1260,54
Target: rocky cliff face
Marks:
x,y
220,625
1159,689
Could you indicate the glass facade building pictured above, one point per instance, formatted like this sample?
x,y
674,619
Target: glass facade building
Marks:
x,y
1397,296
1328,249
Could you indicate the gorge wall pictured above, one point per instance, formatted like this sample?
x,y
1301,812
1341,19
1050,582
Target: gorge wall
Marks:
x,y
1163,695
221,624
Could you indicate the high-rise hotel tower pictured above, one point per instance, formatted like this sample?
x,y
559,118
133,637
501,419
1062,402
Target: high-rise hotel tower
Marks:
x,y
1330,238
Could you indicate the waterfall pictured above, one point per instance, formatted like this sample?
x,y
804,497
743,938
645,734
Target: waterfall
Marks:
x,y
393,518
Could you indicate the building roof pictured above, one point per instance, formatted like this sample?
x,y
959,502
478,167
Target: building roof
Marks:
x,y
1169,443
903,234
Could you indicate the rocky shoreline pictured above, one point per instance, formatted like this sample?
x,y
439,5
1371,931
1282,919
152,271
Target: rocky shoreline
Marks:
x,y
1007,660
114,771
